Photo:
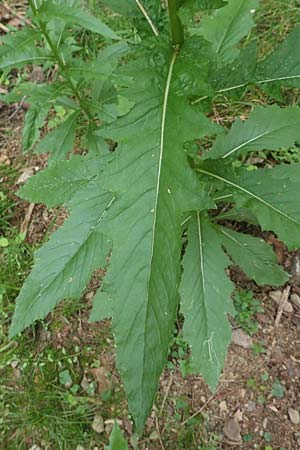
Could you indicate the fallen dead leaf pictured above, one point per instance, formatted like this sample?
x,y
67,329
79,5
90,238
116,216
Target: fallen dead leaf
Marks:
x,y
238,415
25,223
27,173
98,424
85,383
100,376
232,432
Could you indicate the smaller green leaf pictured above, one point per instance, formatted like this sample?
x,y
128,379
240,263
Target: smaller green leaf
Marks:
x,y
60,140
268,438
65,378
102,307
4,242
72,15
277,389
116,440
266,129
34,120
254,256
228,25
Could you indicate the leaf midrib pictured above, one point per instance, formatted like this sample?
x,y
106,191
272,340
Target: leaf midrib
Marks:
x,y
161,151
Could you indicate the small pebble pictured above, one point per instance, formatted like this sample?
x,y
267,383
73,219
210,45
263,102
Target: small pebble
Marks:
x,y
232,431
251,406
239,337
223,406
295,299
294,416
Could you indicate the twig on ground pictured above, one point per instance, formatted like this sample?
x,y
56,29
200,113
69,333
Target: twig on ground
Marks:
x,y
19,106
282,303
199,410
25,223
166,396
3,28
158,433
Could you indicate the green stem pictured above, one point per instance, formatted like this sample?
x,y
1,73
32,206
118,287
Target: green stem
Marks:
x,y
177,33
58,57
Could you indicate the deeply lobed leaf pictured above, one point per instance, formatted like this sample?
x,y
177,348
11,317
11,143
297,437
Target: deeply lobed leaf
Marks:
x,y
153,185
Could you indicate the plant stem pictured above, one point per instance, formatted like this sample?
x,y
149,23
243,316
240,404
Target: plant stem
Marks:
x,y
177,33
61,63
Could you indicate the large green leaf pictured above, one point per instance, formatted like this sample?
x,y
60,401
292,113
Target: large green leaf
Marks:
x,y
153,185
254,256
227,26
205,293
272,199
60,140
63,266
266,129
74,15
